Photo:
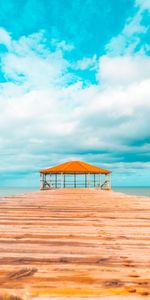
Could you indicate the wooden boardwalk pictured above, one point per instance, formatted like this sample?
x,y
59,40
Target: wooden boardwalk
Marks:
x,y
75,244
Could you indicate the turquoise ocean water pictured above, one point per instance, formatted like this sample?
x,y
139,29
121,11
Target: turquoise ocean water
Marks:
x,y
139,191
12,192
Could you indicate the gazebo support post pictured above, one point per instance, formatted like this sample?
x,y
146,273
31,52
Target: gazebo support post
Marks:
x,y
50,181
47,185
56,181
94,181
64,181
89,180
74,180
41,181
44,181
107,186
61,183
85,180
100,183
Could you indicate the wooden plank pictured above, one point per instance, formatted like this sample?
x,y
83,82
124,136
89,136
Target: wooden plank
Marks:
x,y
76,244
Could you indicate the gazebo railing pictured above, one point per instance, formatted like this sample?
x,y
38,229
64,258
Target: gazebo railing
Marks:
x,y
54,181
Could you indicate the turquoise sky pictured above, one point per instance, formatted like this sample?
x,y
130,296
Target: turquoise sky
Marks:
x,y
75,85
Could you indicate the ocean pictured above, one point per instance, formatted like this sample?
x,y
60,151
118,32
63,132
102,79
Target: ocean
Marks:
x,y
12,192
139,191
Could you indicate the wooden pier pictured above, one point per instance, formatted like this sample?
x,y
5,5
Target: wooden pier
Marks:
x,y
75,244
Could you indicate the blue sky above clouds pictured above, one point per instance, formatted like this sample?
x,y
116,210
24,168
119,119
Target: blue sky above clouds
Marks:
x,y
75,84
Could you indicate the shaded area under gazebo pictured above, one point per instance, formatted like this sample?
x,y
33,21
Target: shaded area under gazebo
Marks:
x,y
74,174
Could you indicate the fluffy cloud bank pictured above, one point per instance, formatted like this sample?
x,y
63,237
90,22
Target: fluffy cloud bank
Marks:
x,y
144,4
49,115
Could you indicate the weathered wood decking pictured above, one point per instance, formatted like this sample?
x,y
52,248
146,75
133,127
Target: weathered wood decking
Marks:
x,y
78,243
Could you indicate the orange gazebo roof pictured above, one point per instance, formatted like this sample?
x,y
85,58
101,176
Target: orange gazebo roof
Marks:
x,y
77,167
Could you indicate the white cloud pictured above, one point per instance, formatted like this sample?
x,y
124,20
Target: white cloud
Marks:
x,y
29,62
86,63
144,4
127,41
5,37
124,70
62,45
43,119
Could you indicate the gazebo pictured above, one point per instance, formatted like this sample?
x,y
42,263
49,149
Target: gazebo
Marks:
x,y
74,174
